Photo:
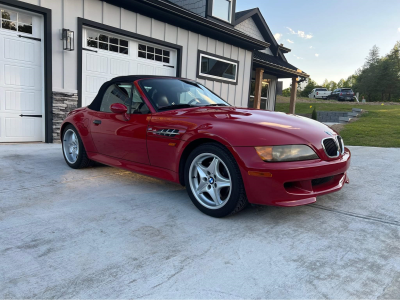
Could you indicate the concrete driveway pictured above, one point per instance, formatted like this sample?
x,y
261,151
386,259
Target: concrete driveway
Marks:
x,y
107,233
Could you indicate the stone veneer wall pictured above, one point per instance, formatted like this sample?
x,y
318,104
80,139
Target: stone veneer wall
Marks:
x,y
63,103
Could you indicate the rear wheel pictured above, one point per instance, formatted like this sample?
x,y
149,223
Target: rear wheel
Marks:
x,y
74,152
213,181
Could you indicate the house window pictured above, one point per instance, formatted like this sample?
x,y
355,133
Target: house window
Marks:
x,y
222,9
153,53
16,21
106,42
217,68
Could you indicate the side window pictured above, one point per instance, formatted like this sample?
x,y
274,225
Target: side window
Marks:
x,y
138,105
116,93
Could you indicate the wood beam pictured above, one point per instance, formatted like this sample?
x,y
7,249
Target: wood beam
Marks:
x,y
258,88
293,96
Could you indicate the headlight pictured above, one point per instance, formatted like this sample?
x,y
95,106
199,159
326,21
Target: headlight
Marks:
x,y
286,153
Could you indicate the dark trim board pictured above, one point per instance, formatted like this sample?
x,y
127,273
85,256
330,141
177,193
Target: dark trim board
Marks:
x,y
88,23
210,16
168,12
48,73
251,77
199,52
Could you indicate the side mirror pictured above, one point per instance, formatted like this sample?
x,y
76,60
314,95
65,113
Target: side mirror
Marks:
x,y
118,108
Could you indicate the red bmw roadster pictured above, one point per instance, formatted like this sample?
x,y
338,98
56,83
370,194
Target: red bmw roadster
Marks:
x,y
178,130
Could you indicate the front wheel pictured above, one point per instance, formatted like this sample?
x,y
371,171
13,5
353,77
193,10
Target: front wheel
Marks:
x,y
74,152
213,181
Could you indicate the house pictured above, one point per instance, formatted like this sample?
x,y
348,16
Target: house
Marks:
x,y
55,54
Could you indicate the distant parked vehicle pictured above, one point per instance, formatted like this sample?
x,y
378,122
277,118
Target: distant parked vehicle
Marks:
x,y
319,93
343,94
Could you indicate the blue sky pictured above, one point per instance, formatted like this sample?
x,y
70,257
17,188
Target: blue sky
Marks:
x,y
340,32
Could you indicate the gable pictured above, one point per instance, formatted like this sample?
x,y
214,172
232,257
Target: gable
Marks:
x,y
250,28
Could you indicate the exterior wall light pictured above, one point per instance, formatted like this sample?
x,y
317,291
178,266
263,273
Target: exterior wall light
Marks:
x,y
68,39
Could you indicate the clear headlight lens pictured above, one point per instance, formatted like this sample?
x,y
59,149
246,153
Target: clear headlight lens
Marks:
x,y
286,153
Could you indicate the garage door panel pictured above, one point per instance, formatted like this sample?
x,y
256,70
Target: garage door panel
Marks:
x,y
17,129
93,83
165,71
119,67
145,69
19,76
22,51
96,63
25,102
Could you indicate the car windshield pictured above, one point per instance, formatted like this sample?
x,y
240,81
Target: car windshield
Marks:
x,y
178,93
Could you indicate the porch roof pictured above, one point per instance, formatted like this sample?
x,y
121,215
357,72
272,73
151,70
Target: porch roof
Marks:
x,y
276,66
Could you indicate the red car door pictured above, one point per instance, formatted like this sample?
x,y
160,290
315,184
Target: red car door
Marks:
x,y
118,135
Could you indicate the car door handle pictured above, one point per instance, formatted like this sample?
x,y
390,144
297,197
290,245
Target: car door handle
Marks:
x,y
97,122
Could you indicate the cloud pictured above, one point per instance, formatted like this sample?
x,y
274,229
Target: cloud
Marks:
x,y
298,57
398,29
301,34
316,55
278,36
291,30
311,47
290,41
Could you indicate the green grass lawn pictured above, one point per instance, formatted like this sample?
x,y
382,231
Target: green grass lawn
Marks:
x,y
378,127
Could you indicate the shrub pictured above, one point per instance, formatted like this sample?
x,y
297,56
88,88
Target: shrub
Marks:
x,y
314,114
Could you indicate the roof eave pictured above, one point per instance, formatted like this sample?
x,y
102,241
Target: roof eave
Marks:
x,y
167,10
281,68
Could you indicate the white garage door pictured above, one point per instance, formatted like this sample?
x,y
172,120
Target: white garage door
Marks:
x,y
21,76
106,55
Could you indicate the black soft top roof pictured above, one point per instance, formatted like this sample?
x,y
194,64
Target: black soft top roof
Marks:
x,y
95,105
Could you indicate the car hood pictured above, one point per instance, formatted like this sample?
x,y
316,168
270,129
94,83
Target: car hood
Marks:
x,y
249,127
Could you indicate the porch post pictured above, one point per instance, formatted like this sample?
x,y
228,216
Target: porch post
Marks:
x,y
257,92
293,96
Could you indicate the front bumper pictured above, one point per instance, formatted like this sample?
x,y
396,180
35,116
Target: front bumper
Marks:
x,y
291,183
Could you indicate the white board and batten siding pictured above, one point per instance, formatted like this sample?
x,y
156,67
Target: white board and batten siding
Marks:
x,y
66,12
21,82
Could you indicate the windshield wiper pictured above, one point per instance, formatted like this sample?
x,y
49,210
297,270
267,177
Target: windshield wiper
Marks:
x,y
221,104
176,106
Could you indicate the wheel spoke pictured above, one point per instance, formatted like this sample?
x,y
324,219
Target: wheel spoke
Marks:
x,y
201,171
215,196
202,186
213,167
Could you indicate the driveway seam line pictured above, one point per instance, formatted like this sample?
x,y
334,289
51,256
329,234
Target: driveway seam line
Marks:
x,y
395,223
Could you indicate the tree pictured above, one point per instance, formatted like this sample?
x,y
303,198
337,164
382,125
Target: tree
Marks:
x,y
286,92
373,57
341,84
310,85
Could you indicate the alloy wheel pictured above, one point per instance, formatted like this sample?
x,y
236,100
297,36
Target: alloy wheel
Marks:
x,y
71,146
210,181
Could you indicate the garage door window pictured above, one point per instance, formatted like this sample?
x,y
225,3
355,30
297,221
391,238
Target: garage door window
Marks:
x,y
16,21
106,42
153,53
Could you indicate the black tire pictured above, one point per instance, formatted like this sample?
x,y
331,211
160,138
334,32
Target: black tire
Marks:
x,y
237,200
82,161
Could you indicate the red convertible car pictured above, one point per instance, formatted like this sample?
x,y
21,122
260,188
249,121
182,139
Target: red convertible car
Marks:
x,y
178,130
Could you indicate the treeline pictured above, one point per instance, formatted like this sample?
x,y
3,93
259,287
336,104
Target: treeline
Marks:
x,y
377,80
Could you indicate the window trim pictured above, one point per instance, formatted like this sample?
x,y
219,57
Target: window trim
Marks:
x,y
231,12
200,75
